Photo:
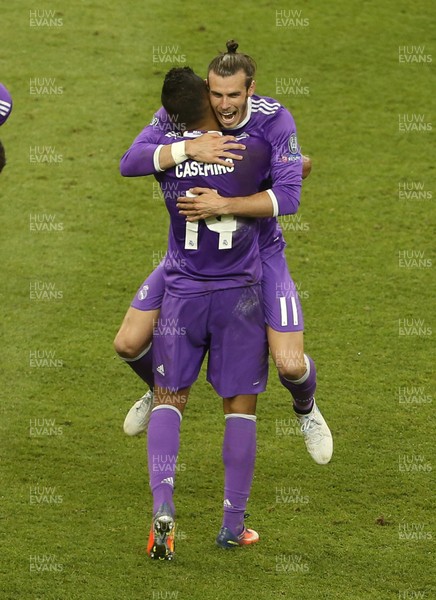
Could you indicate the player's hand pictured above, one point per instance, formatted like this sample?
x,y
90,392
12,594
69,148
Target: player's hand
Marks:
x,y
207,203
214,148
307,166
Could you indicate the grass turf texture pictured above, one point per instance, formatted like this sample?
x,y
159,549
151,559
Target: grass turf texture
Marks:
x,y
339,536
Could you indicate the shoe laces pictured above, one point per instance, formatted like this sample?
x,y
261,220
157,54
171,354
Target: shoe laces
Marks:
x,y
310,422
144,401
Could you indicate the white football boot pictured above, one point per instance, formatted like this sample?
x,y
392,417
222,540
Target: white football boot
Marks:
x,y
137,418
317,435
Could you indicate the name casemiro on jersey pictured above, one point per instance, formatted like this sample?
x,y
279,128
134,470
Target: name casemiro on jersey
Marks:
x,y
193,168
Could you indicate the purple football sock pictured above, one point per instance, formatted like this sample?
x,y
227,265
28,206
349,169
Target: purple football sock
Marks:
x,y
163,440
143,365
303,389
239,454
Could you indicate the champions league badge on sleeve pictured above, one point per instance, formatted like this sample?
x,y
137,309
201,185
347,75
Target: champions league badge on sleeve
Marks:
x,y
5,104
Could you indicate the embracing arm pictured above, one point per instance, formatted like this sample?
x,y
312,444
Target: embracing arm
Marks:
x,y
209,203
148,155
288,168
138,160
210,147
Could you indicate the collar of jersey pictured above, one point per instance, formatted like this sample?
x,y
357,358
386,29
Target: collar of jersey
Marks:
x,y
191,134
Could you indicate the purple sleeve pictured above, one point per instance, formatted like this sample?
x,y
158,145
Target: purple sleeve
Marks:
x,y
138,160
286,163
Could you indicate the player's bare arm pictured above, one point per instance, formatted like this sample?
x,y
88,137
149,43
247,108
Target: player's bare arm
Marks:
x,y
208,148
213,148
209,203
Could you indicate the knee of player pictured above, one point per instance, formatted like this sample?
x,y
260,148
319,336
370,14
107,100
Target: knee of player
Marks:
x,y
291,369
125,346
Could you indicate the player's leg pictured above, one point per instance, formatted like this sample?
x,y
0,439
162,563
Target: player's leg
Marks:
x,y
239,454
133,344
297,371
163,441
178,353
238,367
134,338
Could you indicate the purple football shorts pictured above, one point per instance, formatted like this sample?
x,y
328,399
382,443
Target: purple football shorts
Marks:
x,y
149,295
230,324
280,297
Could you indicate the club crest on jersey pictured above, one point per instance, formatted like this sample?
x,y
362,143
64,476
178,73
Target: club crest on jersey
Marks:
x,y
293,144
143,292
154,122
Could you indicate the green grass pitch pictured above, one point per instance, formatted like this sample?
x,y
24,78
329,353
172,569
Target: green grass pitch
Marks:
x,y
77,239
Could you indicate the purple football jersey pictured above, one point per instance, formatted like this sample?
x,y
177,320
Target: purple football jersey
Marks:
x,y
216,253
138,160
268,119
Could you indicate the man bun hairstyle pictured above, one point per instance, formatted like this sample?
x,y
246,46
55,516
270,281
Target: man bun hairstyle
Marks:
x,y
232,46
231,62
